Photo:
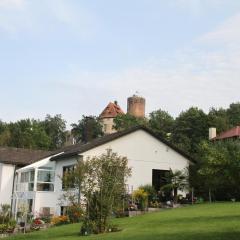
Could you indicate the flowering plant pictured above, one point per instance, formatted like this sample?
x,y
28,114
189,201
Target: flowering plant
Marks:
x,y
36,224
38,221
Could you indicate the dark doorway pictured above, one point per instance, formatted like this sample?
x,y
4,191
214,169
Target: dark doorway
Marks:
x,y
159,178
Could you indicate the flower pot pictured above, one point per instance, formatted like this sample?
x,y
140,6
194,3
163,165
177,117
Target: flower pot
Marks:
x,y
22,224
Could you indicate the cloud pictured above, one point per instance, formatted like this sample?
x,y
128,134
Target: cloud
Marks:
x,y
12,4
203,81
37,17
198,7
226,33
197,75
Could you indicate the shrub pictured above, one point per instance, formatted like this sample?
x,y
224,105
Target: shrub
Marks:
x,y
4,219
155,204
46,219
141,198
88,227
36,224
59,220
113,228
75,213
3,228
38,221
151,192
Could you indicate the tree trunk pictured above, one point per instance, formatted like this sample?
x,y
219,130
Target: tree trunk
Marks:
x,y
175,196
210,195
192,195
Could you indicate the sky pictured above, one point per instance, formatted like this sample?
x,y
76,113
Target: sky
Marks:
x,y
73,57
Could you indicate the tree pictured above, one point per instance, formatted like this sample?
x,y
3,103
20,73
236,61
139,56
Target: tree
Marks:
x,y
126,121
26,133
74,179
220,168
3,127
55,128
190,128
100,181
161,122
218,118
177,180
87,129
4,134
105,187
233,113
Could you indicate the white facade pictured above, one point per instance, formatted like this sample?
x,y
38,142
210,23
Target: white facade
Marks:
x,y
144,152
6,182
107,125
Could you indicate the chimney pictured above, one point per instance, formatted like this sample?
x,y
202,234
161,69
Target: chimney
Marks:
x,y
212,133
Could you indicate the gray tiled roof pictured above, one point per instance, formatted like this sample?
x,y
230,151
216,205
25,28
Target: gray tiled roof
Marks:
x,y
21,156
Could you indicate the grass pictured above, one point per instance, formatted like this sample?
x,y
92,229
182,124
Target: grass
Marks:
x,y
219,221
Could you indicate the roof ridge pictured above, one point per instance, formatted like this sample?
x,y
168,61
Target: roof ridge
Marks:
x,y
111,111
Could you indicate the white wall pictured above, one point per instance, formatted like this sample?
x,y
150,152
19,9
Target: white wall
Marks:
x,y
144,153
46,199
6,182
107,124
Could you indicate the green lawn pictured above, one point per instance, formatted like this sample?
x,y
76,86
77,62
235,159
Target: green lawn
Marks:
x,y
207,221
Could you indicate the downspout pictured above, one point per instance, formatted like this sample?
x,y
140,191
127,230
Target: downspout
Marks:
x,y
34,191
13,187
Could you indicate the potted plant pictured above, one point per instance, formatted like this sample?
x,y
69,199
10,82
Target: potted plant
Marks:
x,y
23,211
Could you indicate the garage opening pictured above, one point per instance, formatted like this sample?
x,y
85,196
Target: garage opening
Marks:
x,y
159,178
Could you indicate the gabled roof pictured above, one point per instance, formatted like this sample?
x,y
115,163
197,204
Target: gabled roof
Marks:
x,y
231,133
111,111
21,156
80,148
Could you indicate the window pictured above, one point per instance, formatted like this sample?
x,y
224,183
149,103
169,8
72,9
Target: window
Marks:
x,y
63,210
105,127
30,205
45,179
28,178
67,170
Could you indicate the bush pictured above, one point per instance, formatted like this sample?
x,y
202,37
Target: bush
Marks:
x,y
4,219
155,205
46,219
141,198
75,213
113,228
151,192
36,224
88,227
3,228
59,220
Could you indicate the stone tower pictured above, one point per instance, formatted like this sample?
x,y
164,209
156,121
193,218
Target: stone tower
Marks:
x,y
136,106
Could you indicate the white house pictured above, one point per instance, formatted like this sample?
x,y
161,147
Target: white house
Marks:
x,y
12,159
149,156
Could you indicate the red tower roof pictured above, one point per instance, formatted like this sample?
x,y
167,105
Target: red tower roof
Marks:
x,y
111,111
